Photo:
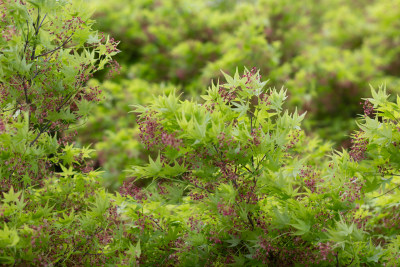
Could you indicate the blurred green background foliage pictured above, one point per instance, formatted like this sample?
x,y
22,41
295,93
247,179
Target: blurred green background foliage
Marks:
x,y
326,53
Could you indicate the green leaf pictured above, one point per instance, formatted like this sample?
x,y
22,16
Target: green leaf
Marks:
x,y
301,226
154,167
8,260
67,172
43,212
241,108
281,218
8,237
101,204
93,38
380,97
68,155
135,251
20,203
67,219
84,108
233,241
228,78
11,196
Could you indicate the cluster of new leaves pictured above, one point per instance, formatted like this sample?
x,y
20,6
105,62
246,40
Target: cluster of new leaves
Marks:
x,y
48,53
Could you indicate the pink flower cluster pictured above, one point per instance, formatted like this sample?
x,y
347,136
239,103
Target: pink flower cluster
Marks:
x,y
153,134
251,76
256,134
128,188
227,94
293,139
368,108
310,178
226,210
351,190
358,148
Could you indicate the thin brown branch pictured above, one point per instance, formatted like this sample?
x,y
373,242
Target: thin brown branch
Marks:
x,y
27,38
391,190
55,49
42,130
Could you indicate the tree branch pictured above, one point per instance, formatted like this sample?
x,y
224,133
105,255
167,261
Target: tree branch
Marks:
x,y
25,91
259,163
27,37
57,48
247,169
42,130
391,190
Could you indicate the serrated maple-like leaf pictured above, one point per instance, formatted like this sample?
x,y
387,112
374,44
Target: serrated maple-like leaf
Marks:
x,y
301,226
11,196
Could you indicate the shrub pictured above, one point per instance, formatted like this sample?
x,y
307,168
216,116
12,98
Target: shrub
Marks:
x,y
48,53
233,180
228,178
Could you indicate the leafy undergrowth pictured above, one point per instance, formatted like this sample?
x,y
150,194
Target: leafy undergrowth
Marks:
x,y
231,180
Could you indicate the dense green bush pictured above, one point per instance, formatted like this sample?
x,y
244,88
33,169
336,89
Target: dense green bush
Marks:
x,y
48,53
231,179
255,197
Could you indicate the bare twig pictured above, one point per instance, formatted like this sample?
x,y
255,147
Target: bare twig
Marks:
x,y
42,21
55,49
391,190
259,163
248,169
42,130
154,220
27,37
251,132
36,27
337,259
197,186
25,91
250,220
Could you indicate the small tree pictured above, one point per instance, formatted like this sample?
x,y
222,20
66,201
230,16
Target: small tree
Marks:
x,y
237,181
48,53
